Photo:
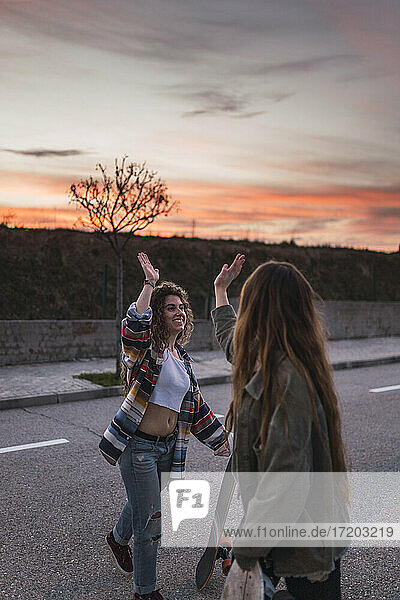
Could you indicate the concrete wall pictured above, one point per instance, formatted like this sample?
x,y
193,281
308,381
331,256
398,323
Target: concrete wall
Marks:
x,y
25,342
347,320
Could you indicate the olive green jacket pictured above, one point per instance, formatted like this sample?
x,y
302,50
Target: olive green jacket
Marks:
x,y
293,445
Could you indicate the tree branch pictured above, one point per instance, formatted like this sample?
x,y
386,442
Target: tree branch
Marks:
x,y
129,202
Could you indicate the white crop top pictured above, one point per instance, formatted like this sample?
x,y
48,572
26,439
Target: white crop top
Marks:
x,y
172,384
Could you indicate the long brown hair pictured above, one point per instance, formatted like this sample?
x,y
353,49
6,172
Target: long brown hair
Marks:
x,y
277,314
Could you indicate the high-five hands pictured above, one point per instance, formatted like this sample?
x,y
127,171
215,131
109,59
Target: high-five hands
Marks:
x,y
150,273
228,274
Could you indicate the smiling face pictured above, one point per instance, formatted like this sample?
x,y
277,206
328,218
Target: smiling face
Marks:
x,y
174,314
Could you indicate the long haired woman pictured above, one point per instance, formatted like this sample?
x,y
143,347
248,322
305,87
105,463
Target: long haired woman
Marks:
x,y
284,411
150,432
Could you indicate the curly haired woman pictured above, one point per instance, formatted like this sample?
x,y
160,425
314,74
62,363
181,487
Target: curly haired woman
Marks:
x,y
150,432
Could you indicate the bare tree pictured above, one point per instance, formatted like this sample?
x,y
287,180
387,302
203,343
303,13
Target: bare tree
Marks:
x,y
125,204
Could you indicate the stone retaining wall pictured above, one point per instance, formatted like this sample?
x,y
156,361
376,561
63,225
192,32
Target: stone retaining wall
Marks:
x,y
349,320
346,319
25,342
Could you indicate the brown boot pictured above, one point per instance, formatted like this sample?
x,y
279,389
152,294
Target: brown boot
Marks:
x,y
122,555
156,595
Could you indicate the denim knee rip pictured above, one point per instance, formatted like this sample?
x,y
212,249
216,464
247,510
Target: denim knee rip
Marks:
x,y
152,530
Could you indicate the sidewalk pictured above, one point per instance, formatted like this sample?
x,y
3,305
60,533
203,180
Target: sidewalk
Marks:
x,y
53,383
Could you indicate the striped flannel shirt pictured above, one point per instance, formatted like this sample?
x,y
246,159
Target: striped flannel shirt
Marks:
x,y
143,363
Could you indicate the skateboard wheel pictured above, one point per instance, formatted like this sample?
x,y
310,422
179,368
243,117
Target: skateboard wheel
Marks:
x,y
225,542
221,553
226,565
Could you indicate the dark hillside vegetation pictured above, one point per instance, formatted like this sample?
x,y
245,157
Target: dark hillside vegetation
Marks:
x,y
59,274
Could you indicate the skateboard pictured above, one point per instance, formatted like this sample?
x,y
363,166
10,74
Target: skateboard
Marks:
x,y
218,547
252,584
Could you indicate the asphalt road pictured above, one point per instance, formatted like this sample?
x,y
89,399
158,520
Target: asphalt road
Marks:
x,y
58,502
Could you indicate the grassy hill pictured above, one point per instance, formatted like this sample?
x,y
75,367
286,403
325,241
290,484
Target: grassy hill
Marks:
x,y
59,274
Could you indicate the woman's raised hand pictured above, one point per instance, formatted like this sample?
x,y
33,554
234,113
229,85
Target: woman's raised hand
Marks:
x,y
228,274
149,271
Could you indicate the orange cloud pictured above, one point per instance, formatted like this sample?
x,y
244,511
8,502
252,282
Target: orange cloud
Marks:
x,y
49,218
345,216
15,182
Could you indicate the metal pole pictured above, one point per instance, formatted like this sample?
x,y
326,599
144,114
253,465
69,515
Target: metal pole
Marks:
x,y
210,285
104,307
374,282
312,271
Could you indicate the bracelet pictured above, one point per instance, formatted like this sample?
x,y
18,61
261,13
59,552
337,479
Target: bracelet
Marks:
x,y
148,282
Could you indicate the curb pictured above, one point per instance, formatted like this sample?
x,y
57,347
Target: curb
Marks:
x,y
25,401
356,364
116,390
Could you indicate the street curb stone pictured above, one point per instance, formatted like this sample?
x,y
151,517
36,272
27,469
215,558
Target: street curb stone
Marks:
x,y
117,390
8,403
355,364
60,398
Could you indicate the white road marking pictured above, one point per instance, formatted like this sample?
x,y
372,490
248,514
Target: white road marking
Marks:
x,y
388,388
218,416
35,445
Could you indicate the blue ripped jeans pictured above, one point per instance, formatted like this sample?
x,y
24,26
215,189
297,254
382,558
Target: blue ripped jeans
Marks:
x,y
141,465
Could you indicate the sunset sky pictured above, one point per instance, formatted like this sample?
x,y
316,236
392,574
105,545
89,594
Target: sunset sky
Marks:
x,y
268,120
